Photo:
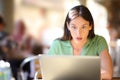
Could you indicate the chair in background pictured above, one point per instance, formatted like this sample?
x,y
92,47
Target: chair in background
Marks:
x,y
34,68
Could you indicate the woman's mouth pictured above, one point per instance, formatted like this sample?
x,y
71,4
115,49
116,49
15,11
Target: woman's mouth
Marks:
x,y
78,38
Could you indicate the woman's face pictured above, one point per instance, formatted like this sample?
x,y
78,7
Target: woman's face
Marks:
x,y
79,29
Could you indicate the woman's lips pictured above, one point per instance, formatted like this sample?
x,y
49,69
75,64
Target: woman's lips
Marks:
x,y
78,38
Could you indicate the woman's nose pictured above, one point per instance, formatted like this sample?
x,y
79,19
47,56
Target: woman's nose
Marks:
x,y
79,31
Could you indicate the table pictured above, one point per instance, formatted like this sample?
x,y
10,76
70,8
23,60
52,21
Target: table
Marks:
x,y
116,78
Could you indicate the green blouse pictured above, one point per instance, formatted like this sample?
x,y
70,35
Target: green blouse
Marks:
x,y
92,48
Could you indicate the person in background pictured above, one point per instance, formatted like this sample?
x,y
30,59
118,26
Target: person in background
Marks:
x,y
21,50
19,31
114,46
79,39
3,39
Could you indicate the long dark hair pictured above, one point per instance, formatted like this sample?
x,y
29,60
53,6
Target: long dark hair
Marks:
x,y
76,11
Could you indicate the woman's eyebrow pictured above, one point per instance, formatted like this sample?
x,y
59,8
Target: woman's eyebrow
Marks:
x,y
72,24
85,24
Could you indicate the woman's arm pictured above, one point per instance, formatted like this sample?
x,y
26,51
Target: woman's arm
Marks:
x,y
106,65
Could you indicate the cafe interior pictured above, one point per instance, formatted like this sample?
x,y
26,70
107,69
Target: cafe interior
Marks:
x,y
32,25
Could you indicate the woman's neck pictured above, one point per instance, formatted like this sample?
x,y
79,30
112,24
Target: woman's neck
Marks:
x,y
78,45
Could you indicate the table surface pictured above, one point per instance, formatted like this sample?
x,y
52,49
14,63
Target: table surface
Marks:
x,y
112,79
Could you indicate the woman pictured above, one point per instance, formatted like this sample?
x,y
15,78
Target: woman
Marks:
x,y
79,39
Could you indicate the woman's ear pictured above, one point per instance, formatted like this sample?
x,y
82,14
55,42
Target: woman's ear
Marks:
x,y
90,27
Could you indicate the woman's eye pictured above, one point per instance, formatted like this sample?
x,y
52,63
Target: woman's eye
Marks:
x,y
83,27
73,27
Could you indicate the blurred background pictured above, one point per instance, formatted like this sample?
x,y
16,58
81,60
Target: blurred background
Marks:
x,y
32,25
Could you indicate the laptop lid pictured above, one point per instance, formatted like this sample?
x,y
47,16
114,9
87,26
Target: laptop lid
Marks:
x,y
70,67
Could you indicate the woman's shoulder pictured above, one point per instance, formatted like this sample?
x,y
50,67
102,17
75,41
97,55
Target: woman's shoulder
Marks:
x,y
98,38
100,41
57,41
61,42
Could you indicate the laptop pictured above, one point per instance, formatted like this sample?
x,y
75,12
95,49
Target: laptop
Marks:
x,y
70,67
